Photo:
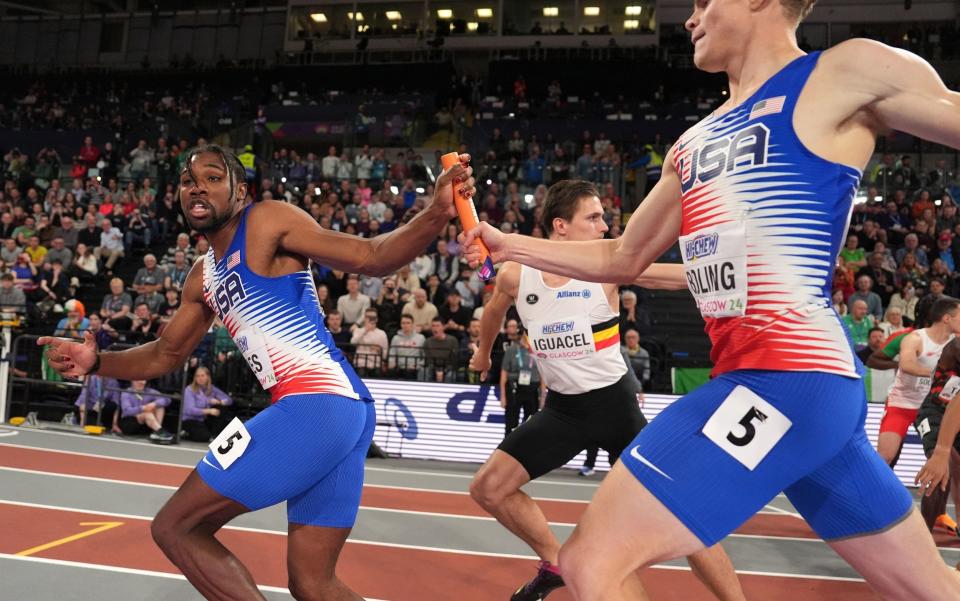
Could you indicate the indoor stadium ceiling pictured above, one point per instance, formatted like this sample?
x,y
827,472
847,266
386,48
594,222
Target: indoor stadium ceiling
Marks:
x,y
77,7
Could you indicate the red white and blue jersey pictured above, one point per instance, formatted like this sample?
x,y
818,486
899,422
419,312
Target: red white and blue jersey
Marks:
x,y
278,325
763,221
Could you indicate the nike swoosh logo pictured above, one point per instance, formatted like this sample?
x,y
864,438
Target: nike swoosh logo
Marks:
x,y
218,467
635,453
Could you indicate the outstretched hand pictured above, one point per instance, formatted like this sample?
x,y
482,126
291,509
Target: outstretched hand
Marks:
x,y
495,240
934,473
460,175
69,357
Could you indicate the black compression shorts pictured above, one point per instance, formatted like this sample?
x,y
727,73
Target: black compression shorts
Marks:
x,y
929,419
608,418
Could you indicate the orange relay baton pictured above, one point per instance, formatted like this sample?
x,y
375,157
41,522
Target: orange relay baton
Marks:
x,y
468,218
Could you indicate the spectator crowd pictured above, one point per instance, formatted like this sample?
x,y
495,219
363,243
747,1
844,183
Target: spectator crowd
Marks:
x,y
104,230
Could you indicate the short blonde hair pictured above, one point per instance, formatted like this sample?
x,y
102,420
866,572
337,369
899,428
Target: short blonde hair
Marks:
x,y
797,9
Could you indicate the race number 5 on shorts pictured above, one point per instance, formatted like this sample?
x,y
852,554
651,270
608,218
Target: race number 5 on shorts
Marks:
x,y
746,427
715,263
231,444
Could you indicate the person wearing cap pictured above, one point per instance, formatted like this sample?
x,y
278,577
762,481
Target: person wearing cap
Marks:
x,y
945,251
75,323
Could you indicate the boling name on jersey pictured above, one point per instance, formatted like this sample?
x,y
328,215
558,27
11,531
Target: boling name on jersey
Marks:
x,y
713,277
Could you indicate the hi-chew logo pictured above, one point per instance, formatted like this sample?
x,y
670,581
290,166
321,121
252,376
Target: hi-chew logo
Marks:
x,y
702,246
560,327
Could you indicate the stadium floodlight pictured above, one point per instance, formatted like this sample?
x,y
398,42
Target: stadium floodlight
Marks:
x,y
394,15
358,16
484,13
631,24
318,17
634,10
444,13
473,26
551,11
591,11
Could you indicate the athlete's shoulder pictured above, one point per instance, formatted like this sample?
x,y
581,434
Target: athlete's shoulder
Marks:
x,y
855,53
508,278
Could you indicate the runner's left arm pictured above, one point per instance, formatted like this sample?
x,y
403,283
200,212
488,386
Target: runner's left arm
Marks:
x,y
300,234
650,231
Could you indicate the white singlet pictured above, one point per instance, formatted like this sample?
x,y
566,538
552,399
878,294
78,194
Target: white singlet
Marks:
x,y
574,334
908,390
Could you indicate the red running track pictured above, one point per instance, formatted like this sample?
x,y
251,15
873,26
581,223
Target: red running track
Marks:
x,y
376,571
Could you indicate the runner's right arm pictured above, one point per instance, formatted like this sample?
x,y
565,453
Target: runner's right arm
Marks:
x,y
504,294
936,470
145,362
909,352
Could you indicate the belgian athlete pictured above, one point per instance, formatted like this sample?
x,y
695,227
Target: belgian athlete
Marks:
x,y
573,328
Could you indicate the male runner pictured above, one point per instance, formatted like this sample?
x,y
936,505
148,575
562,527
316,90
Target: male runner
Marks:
x,y
573,327
938,426
933,509
919,352
760,193
308,448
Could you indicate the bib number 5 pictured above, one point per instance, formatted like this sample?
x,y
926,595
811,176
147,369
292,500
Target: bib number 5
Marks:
x,y
746,427
749,430
231,444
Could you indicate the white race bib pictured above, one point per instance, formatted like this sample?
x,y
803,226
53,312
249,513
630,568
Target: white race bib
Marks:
x,y
715,262
923,428
746,427
950,389
253,346
231,444
923,385
565,338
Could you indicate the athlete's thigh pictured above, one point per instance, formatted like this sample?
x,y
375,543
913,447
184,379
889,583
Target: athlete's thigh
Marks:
x,y
546,441
628,527
718,455
852,494
195,505
620,427
333,501
292,445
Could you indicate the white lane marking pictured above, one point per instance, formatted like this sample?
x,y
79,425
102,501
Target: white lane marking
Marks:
x,y
200,452
133,571
283,532
441,549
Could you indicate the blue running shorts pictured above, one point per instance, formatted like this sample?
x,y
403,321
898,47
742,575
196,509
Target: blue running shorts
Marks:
x,y
719,454
307,450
